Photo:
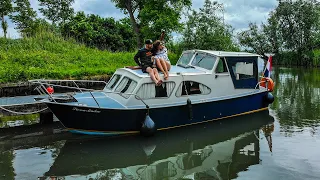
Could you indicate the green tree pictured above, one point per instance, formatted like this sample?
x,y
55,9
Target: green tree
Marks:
x,y
5,9
256,39
297,22
273,34
206,30
102,33
148,18
57,10
24,16
292,32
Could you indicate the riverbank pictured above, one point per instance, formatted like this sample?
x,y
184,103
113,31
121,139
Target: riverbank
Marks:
x,y
51,57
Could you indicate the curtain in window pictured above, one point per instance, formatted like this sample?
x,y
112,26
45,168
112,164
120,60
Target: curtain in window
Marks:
x,y
147,91
204,89
170,87
122,84
179,91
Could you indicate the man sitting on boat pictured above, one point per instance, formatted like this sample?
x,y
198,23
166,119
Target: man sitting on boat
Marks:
x,y
144,59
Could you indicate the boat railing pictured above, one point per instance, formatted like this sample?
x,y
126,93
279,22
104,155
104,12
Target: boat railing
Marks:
x,y
43,84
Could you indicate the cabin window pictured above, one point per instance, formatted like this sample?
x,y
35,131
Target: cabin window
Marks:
x,y
126,86
185,59
191,88
150,90
243,71
113,81
204,61
221,67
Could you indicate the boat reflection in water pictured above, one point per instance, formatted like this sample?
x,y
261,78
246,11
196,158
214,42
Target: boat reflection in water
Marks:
x,y
217,150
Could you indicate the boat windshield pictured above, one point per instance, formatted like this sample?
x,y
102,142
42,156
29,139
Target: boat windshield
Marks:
x,y
204,60
185,58
113,81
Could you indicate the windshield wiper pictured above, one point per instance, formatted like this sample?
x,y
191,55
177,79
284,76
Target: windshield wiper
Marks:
x,y
200,60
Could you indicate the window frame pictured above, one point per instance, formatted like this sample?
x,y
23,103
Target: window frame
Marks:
x,y
225,66
192,94
205,55
190,60
124,94
115,84
169,95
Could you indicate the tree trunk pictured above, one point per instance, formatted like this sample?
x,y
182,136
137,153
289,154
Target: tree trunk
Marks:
x,y
4,28
134,23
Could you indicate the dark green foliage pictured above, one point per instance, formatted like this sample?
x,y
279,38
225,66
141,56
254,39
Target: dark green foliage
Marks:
x,y
103,33
57,11
149,17
206,30
291,33
23,17
5,9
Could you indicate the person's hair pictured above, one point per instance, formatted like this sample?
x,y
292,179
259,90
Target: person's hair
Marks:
x,y
156,44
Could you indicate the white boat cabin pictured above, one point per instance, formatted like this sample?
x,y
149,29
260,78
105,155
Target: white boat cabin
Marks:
x,y
199,75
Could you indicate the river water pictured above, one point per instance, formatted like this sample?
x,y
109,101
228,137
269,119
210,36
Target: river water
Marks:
x,y
282,143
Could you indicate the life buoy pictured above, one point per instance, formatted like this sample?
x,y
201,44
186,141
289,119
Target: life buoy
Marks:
x,y
269,81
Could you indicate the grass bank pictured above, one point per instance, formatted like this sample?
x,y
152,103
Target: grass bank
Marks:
x,y
51,57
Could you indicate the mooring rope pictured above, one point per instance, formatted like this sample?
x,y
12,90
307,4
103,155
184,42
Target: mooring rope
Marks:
x,y
23,113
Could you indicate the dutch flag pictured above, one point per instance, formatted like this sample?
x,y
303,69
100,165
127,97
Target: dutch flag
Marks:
x,y
267,70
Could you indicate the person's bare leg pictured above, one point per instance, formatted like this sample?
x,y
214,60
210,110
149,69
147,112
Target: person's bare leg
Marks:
x,y
159,65
151,73
164,65
168,65
156,74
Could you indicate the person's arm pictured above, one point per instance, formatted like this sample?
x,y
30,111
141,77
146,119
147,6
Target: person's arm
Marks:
x,y
136,58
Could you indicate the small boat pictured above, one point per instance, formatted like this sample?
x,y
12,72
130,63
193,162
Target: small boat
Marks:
x,y
203,86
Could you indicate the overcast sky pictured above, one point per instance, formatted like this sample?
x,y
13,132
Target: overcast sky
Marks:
x,y
238,13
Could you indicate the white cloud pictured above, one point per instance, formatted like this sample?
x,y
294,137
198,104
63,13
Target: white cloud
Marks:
x,y
238,13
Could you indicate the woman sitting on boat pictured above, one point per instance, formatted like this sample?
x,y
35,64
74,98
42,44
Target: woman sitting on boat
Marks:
x,y
143,59
161,59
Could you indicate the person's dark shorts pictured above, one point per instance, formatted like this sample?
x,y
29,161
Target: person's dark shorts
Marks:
x,y
144,68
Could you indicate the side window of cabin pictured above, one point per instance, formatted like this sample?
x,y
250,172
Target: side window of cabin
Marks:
x,y
113,81
191,88
204,61
221,67
126,86
150,90
243,70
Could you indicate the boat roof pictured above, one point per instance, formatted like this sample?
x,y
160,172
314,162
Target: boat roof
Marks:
x,y
226,53
175,70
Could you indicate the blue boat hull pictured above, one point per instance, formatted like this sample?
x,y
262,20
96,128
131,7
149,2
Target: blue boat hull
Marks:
x,y
99,121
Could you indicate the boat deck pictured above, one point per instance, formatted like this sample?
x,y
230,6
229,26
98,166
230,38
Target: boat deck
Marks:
x,y
175,70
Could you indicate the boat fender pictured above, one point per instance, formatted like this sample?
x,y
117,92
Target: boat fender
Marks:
x,y
190,109
148,127
50,90
269,98
267,82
